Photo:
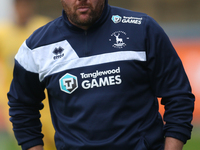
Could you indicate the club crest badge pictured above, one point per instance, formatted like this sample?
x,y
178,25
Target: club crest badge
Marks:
x,y
119,38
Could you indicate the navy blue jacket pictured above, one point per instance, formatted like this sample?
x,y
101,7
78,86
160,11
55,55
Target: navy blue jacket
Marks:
x,y
102,84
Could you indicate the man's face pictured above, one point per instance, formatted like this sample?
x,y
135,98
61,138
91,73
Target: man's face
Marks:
x,y
83,13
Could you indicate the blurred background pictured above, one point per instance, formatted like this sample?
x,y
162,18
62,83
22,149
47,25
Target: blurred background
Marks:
x,y
19,18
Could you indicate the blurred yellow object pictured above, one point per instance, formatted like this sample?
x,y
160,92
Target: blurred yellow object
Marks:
x,y
11,38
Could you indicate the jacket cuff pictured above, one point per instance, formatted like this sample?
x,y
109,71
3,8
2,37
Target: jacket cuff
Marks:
x,y
32,143
178,136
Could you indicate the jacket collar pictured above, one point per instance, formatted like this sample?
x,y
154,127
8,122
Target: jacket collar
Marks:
x,y
98,23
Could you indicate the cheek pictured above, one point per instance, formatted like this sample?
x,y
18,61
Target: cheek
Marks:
x,y
99,7
67,8
67,4
95,3
99,4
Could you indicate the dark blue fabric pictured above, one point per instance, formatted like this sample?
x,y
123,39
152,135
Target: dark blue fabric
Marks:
x,y
116,117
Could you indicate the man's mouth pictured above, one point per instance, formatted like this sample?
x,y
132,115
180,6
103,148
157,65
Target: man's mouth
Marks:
x,y
83,9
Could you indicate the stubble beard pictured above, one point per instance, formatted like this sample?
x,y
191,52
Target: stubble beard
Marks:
x,y
93,16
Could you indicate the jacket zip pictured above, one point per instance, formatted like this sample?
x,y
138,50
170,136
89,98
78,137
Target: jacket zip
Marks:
x,y
86,43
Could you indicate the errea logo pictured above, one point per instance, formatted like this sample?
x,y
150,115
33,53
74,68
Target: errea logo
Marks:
x,y
68,83
58,52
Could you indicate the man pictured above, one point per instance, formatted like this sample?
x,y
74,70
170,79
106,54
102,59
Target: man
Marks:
x,y
103,68
12,33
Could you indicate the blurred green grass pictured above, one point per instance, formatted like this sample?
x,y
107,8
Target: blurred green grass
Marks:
x,y
194,142
8,142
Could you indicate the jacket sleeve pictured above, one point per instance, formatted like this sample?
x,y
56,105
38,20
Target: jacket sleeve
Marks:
x,y
169,81
25,100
